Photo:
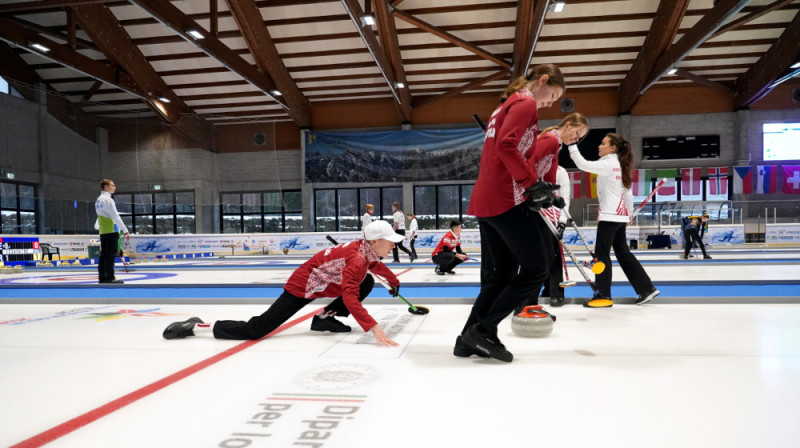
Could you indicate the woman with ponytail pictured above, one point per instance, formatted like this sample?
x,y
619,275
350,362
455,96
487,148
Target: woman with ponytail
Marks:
x,y
505,191
614,177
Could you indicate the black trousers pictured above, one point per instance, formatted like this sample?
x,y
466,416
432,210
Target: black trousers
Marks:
x,y
552,287
399,246
411,246
519,266
691,236
109,247
446,260
612,234
284,308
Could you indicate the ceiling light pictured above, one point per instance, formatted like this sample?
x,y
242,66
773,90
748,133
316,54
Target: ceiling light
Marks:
x,y
672,71
276,93
164,99
40,47
399,85
797,65
557,7
367,20
196,35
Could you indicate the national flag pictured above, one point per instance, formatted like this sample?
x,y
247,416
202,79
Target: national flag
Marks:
x,y
690,181
767,179
641,186
791,179
718,181
670,186
743,179
590,185
575,181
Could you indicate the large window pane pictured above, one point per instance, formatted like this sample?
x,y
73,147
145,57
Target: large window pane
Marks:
x,y
26,200
349,213
273,202
294,222
370,196
294,201
325,210
468,221
252,224
390,195
164,224
251,202
273,223
124,204
163,203
143,203
144,224
231,224
449,202
231,203
9,221
9,195
425,207
184,203
27,222
185,224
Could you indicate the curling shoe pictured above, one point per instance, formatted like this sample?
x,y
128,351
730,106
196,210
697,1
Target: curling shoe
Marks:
x,y
438,270
599,301
328,324
482,343
462,350
650,296
556,301
180,330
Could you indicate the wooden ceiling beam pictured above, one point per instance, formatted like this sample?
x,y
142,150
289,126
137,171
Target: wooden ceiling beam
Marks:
x,y
530,19
100,24
700,32
258,40
662,32
355,13
771,69
457,41
180,23
387,32
15,34
759,12
502,74
699,80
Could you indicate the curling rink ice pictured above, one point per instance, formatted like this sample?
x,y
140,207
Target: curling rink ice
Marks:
x,y
84,365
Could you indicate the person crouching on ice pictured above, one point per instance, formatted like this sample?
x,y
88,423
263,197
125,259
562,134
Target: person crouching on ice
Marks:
x,y
448,253
341,271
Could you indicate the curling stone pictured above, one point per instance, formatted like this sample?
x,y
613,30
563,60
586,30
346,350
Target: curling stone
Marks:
x,y
19,269
45,264
532,322
7,270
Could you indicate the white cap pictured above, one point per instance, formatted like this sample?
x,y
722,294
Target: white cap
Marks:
x,y
378,230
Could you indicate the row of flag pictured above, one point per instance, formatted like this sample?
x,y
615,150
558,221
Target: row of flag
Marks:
x,y
761,179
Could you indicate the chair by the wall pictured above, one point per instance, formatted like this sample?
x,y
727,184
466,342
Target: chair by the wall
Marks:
x,y
48,250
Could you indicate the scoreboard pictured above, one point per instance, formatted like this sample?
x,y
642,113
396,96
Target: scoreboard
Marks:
x,y
680,147
16,251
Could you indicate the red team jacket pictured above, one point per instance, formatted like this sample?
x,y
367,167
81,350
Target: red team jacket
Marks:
x,y
545,162
504,175
451,241
339,271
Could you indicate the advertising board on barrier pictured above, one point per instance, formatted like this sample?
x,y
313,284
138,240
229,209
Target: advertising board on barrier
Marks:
x,y
782,233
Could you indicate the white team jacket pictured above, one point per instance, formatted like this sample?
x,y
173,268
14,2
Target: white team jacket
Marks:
x,y
616,201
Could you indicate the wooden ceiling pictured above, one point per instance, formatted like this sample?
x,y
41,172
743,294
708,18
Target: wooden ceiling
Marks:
x,y
275,60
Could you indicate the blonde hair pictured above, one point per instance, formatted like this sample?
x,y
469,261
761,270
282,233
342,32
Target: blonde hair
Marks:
x,y
370,207
576,119
555,78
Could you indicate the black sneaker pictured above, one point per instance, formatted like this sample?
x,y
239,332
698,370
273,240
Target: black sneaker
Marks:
x,y
438,270
328,324
481,343
451,272
650,296
706,257
180,330
556,301
462,350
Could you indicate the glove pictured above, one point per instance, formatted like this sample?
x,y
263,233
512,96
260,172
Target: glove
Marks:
x,y
570,222
559,202
395,291
561,226
540,195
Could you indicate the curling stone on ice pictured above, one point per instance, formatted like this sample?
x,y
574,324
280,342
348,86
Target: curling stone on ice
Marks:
x,y
532,322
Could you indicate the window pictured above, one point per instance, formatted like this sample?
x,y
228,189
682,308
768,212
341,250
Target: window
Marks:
x,y
436,205
262,212
341,209
162,213
17,208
